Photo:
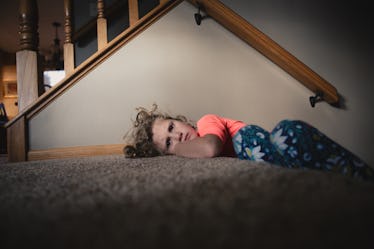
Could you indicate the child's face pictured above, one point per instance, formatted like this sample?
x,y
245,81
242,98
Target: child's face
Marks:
x,y
168,132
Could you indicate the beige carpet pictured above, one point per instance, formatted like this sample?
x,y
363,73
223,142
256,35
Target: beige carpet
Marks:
x,y
172,202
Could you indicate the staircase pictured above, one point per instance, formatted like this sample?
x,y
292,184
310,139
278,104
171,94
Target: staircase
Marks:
x,y
28,72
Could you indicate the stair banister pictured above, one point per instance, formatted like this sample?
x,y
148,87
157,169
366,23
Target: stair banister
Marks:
x,y
27,71
18,127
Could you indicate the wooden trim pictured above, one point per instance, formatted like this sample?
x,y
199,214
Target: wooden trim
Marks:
x,y
79,151
269,48
17,141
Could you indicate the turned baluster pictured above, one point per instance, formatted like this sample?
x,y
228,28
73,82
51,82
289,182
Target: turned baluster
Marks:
x,y
28,25
68,43
102,36
133,11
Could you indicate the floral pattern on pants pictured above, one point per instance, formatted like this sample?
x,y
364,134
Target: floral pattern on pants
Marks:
x,y
296,144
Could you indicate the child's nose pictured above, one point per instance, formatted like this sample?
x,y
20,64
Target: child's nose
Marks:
x,y
178,136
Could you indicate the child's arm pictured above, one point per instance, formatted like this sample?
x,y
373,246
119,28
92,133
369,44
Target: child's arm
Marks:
x,y
207,146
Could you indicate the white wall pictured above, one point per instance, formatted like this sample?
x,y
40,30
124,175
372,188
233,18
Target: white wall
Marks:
x,y
335,39
194,70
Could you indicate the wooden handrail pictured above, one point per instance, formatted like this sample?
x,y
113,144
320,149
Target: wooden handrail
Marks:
x,y
96,59
269,48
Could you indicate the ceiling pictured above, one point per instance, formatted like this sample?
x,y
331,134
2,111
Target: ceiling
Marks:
x,y
49,11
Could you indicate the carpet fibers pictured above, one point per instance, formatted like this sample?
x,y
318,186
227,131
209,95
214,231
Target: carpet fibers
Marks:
x,y
173,202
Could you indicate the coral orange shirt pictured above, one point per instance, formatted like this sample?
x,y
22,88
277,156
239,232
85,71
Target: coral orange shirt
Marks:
x,y
223,128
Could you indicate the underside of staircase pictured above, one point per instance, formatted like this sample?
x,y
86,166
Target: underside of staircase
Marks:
x,y
28,71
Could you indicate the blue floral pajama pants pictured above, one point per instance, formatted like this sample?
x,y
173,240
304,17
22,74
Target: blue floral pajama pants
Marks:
x,y
295,144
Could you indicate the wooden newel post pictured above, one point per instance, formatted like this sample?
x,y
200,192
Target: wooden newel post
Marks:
x,y
68,43
29,83
102,35
29,80
28,25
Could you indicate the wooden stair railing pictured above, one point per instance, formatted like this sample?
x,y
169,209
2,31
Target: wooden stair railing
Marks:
x,y
17,128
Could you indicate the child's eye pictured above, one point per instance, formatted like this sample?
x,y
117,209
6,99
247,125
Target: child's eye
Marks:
x,y
168,142
171,127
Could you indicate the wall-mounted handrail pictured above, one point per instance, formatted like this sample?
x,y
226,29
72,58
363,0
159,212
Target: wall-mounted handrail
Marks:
x,y
269,48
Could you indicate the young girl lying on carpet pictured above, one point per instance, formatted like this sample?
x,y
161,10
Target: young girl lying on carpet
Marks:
x,y
292,144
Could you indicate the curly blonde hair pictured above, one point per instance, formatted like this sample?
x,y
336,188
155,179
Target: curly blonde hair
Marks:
x,y
139,140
